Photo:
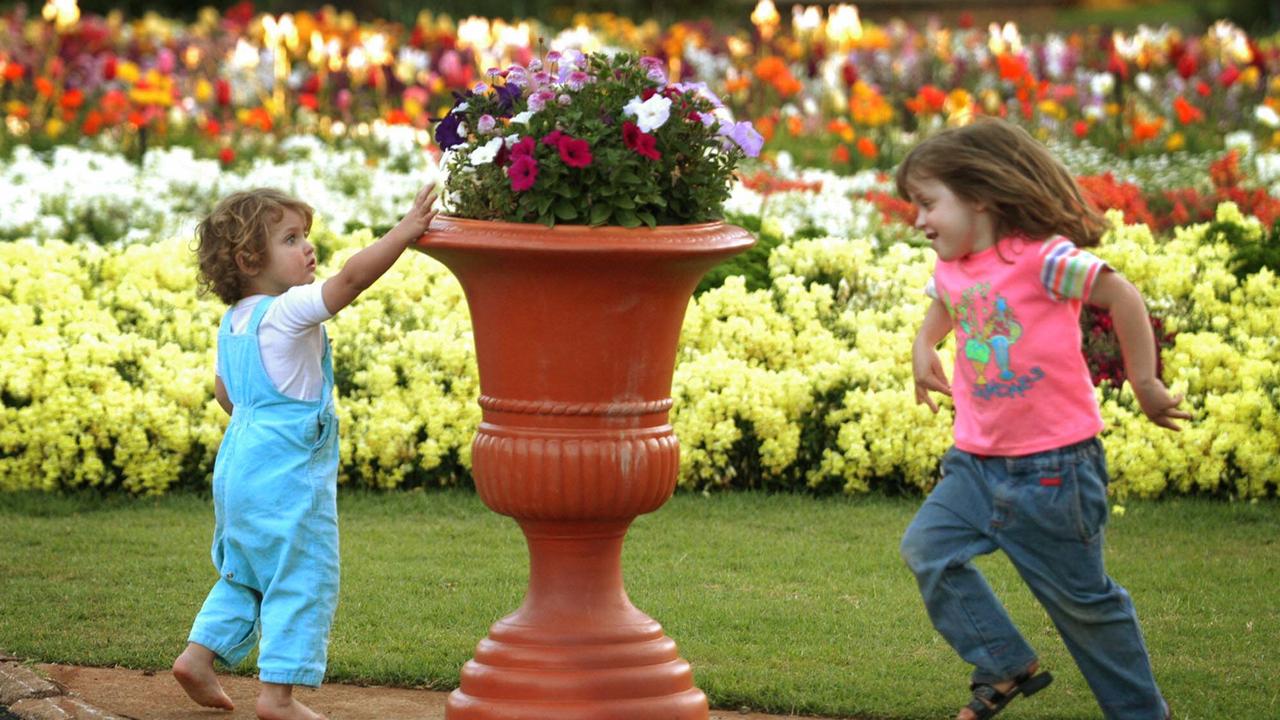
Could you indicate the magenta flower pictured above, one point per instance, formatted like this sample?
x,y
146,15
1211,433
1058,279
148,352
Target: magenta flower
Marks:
x,y
575,153
524,148
523,173
552,138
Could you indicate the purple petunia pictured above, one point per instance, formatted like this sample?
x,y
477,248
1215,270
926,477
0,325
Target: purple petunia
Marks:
x,y
744,136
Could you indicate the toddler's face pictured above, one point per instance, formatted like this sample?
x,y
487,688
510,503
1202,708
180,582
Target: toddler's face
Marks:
x,y
291,259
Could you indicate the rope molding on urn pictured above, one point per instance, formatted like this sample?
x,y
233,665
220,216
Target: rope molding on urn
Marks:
x,y
552,407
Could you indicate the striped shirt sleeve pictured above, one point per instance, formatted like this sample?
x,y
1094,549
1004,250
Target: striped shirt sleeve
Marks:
x,y
1068,272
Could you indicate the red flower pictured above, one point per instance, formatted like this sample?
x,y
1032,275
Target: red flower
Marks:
x,y
222,91
524,148
552,138
72,99
575,153
1203,89
109,68
92,123
226,155
849,72
1081,128
1187,113
630,132
1187,66
309,100
523,173
13,72
647,146
1116,66
1228,76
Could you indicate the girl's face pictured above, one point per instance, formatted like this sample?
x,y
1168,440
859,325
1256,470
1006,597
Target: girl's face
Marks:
x,y
291,260
955,227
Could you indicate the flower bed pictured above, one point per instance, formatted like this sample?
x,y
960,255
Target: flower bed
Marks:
x,y
107,378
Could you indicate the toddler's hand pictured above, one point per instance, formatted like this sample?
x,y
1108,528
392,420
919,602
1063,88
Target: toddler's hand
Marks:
x,y
929,375
1158,405
415,222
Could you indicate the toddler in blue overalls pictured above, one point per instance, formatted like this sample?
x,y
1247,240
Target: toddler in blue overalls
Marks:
x,y
275,538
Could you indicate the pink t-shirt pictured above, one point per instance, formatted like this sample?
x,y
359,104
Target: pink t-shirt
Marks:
x,y
1020,382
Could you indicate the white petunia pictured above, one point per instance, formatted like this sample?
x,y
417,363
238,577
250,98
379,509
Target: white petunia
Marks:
x,y
522,118
650,114
485,154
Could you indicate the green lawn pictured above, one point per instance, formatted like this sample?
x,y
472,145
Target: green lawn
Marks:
x,y
782,603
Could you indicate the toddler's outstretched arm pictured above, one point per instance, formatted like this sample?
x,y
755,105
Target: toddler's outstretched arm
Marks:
x,y
369,264
925,363
1133,328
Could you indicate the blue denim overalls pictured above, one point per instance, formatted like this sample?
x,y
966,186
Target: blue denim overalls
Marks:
x,y
275,537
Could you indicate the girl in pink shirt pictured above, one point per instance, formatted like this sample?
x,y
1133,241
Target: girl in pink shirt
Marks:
x,y
1027,474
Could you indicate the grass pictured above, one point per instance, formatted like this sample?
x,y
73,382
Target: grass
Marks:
x,y
782,603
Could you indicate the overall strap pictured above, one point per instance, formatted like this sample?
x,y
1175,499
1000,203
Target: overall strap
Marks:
x,y
326,366
258,312
225,325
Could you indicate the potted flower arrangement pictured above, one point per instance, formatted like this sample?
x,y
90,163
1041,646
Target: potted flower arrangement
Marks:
x,y
591,140
583,198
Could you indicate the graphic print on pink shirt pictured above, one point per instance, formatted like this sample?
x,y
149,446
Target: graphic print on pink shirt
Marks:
x,y
987,331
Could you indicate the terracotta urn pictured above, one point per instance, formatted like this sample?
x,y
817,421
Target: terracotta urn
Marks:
x,y
576,331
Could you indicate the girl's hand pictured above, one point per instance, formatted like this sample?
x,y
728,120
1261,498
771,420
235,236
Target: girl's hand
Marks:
x,y
1158,405
929,375
415,222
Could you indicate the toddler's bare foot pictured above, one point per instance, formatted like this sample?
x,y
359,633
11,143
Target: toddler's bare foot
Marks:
x,y
194,672
277,703
1001,687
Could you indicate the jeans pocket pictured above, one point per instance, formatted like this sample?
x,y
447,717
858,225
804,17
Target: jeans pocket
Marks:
x,y
1091,493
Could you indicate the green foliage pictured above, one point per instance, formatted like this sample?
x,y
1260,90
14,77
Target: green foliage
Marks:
x,y
1252,251
752,264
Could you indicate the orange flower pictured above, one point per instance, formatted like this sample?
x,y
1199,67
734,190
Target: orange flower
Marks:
x,y
72,99
1144,130
841,154
795,126
766,127
930,99
1187,113
841,128
1012,67
13,72
867,148
92,123
733,85
44,88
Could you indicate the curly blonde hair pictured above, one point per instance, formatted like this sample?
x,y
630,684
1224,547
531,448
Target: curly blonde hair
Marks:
x,y
997,163
240,225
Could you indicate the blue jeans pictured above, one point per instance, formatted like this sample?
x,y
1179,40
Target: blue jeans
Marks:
x,y
1046,511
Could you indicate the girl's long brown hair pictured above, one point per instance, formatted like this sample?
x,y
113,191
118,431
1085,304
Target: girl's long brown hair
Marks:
x,y
1000,165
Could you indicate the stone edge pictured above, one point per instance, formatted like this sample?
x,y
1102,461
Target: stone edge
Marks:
x,y
30,696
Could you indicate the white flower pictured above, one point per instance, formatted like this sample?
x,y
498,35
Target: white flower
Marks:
x,y
1145,82
650,114
1265,115
1242,139
522,118
1102,83
485,154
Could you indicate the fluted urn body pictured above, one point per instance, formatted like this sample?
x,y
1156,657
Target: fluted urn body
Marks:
x,y
576,331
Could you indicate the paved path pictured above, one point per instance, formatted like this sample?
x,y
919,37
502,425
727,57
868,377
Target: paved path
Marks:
x,y
84,693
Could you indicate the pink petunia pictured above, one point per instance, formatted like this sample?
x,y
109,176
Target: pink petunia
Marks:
x,y
552,138
575,153
523,173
